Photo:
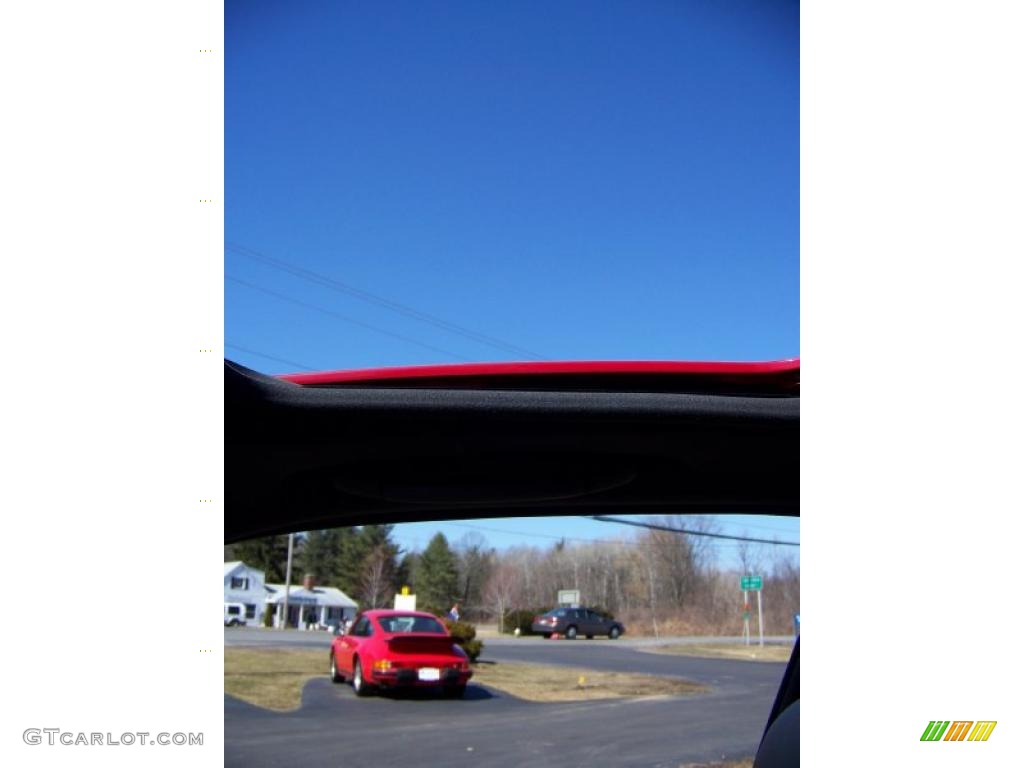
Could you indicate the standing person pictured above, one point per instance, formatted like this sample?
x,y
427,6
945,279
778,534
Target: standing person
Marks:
x,y
453,614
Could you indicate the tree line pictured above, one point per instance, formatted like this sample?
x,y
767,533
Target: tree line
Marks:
x,y
367,564
657,582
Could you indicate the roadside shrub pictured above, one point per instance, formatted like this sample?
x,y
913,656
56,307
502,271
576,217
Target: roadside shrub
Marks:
x,y
268,616
517,619
522,619
464,634
473,649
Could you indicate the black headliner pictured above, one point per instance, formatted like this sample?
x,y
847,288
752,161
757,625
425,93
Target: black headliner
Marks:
x,y
299,458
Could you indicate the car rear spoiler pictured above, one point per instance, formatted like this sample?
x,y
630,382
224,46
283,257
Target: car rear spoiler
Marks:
x,y
420,641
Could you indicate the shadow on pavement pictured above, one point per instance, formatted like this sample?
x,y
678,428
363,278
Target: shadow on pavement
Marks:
x,y
321,692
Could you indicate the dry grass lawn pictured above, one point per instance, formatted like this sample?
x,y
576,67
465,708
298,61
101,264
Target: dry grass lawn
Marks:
x,y
728,651
274,678
542,682
747,762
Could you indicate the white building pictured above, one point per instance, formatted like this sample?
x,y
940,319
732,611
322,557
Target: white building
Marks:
x,y
244,585
307,603
311,605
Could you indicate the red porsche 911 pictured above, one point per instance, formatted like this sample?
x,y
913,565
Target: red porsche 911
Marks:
x,y
399,649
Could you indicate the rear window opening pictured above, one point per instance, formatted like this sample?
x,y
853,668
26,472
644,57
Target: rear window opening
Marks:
x,y
402,624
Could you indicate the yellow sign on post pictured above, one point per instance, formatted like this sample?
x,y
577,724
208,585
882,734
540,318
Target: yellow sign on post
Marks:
x,y
405,601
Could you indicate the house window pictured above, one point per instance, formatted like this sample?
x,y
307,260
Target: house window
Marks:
x,y
250,611
238,582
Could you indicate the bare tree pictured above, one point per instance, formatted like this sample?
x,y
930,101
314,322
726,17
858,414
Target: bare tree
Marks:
x,y
659,579
650,575
376,581
503,587
751,557
475,560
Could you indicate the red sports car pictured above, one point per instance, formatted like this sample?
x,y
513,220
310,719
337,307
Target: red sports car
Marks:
x,y
399,649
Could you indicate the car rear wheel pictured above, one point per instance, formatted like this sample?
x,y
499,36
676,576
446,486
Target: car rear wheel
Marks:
x,y
570,633
547,635
359,685
613,633
590,637
336,676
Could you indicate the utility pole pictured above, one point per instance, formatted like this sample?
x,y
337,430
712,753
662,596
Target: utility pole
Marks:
x,y
650,574
746,619
760,620
288,579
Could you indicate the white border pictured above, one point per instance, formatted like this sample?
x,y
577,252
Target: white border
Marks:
x,y
911,172
112,283
911,353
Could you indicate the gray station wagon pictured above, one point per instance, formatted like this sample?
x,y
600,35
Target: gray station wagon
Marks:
x,y
576,621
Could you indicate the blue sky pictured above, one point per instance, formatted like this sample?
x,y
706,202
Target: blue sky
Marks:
x,y
544,532
572,180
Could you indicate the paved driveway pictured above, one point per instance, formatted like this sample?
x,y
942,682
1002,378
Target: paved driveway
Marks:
x,y
489,728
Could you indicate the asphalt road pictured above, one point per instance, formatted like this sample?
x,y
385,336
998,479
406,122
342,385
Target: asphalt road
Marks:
x,y
490,728
257,636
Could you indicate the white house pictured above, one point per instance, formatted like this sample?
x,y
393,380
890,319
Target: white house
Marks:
x,y
311,605
244,585
307,603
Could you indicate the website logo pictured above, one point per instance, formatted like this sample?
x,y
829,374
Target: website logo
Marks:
x,y
958,730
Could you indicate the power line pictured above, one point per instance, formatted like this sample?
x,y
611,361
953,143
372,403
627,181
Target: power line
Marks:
x,y
551,536
718,519
517,533
291,363
655,527
380,301
339,316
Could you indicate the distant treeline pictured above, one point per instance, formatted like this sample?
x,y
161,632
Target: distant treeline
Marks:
x,y
654,581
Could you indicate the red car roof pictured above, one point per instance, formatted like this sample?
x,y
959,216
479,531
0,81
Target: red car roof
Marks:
x,y
781,376
395,612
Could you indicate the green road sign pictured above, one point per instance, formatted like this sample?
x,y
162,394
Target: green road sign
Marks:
x,y
750,582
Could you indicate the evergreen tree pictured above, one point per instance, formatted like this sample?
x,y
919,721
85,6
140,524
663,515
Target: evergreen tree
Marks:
x,y
437,576
374,536
352,552
320,552
405,574
360,561
269,554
